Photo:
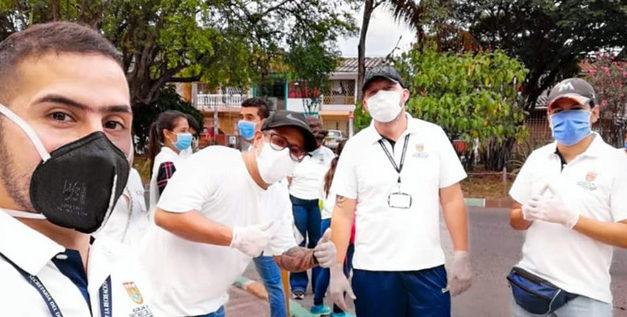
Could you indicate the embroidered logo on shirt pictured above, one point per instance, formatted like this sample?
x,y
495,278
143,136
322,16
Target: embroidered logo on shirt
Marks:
x,y
589,182
133,292
420,151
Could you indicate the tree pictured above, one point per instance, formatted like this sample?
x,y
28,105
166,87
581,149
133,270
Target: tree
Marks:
x,y
608,77
549,37
220,42
470,95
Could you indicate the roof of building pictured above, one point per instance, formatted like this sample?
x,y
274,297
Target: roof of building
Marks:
x,y
349,64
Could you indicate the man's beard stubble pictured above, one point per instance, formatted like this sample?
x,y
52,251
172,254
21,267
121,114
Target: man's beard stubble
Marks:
x,y
17,186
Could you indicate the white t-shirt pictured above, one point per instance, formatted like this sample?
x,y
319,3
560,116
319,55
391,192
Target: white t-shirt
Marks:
x,y
393,239
308,175
327,207
193,278
33,252
595,184
129,220
165,155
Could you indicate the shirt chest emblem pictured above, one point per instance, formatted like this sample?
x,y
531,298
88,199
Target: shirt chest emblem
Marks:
x,y
420,151
133,292
588,183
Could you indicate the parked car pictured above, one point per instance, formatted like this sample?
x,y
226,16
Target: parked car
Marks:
x,y
333,139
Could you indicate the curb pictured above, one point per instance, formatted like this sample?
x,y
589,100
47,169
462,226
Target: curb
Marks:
x,y
489,202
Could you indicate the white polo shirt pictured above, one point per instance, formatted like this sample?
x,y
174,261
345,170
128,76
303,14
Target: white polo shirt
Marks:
x,y
595,185
393,239
308,176
193,278
33,252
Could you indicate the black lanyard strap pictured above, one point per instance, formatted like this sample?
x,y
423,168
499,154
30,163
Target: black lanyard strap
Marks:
x,y
106,301
399,167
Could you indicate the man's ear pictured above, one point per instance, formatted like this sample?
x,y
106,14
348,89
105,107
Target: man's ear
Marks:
x,y
364,105
405,96
596,112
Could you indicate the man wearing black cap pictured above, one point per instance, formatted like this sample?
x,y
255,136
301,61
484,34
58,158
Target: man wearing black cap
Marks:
x,y
399,170
570,198
218,212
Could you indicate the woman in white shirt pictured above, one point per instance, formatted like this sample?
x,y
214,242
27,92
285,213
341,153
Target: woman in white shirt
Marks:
x,y
169,135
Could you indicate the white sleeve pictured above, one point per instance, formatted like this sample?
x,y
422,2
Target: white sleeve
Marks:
x,y
283,238
345,179
521,189
191,185
618,203
451,169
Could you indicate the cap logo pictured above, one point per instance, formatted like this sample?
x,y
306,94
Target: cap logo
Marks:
x,y
291,117
566,86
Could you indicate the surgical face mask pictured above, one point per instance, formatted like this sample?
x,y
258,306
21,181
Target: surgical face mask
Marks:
x,y
385,105
183,141
246,129
77,185
570,126
274,165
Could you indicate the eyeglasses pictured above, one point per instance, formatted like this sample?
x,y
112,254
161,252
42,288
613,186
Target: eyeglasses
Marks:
x,y
279,142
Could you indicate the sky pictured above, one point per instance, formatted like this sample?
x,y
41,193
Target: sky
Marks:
x,y
383,34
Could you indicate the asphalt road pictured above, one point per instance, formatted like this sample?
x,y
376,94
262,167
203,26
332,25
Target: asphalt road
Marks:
x,y
495,248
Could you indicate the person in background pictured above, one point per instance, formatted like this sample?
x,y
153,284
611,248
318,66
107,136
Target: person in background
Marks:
x,y
305,186
624,148
194,129
169,135
569,197
322,283
253,111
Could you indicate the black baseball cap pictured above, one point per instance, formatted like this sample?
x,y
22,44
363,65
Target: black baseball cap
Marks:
x,y
384,71
576,89
284,118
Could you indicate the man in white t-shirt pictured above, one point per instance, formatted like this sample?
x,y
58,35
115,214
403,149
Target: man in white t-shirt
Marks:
x,y
570,198
214,217
393,176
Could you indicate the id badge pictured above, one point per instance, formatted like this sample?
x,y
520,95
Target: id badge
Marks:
x,y
399,200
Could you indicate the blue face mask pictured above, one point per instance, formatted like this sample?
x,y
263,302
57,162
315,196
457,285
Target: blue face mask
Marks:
x,y
625,145
571,126
183,141
246,129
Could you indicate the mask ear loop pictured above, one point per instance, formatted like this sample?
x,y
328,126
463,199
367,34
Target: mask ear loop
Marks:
x,y
45,156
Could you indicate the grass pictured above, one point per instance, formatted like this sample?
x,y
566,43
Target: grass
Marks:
x,y
486,184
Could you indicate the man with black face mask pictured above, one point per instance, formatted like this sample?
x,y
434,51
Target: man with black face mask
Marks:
x,y
64,146
213,218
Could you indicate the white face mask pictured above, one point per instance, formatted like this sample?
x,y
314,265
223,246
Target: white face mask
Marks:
x,y
385,105
274,165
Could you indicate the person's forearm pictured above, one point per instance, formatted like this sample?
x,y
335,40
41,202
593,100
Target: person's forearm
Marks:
x,y
612,233
297,259
341,224
516,219
455,216
194,227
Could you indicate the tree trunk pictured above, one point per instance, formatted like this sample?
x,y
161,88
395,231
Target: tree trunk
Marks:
x,y
361,48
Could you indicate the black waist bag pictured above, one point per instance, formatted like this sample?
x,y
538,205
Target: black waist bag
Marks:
x,y
535,294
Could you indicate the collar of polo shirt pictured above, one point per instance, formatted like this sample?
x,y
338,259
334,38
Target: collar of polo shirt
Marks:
x,y
27,248
373,136
595,149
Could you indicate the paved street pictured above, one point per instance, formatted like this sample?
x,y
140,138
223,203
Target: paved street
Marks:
x,y
495,248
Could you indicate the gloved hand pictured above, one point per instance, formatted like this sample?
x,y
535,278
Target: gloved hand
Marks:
x,y
459,273
325,251
251,240
338,285
551,208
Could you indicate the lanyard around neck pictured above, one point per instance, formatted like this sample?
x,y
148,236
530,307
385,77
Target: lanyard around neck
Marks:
x,y
399,167
106,302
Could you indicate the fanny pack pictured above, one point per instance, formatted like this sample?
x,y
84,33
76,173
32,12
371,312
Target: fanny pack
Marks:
x,y
535,294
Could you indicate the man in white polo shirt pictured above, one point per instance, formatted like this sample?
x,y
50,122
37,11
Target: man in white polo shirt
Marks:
x,y
570,198
65,140
393,176
219,211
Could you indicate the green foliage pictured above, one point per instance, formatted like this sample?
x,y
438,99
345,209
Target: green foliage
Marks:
x,y
469,95
362,118
169,99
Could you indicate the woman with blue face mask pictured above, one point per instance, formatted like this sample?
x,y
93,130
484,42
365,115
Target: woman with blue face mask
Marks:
x,y
169,137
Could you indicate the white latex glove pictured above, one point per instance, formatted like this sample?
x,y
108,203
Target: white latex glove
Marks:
x,y
551,208
338,285
325,251
251,240
459,273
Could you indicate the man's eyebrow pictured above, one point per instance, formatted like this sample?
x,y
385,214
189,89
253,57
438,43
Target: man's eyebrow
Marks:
x,y
77,105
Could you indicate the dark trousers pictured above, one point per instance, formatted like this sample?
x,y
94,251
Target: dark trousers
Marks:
x,y
402,294
307,221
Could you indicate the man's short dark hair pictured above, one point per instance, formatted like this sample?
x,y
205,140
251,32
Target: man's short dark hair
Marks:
x,y
40,39
263,111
